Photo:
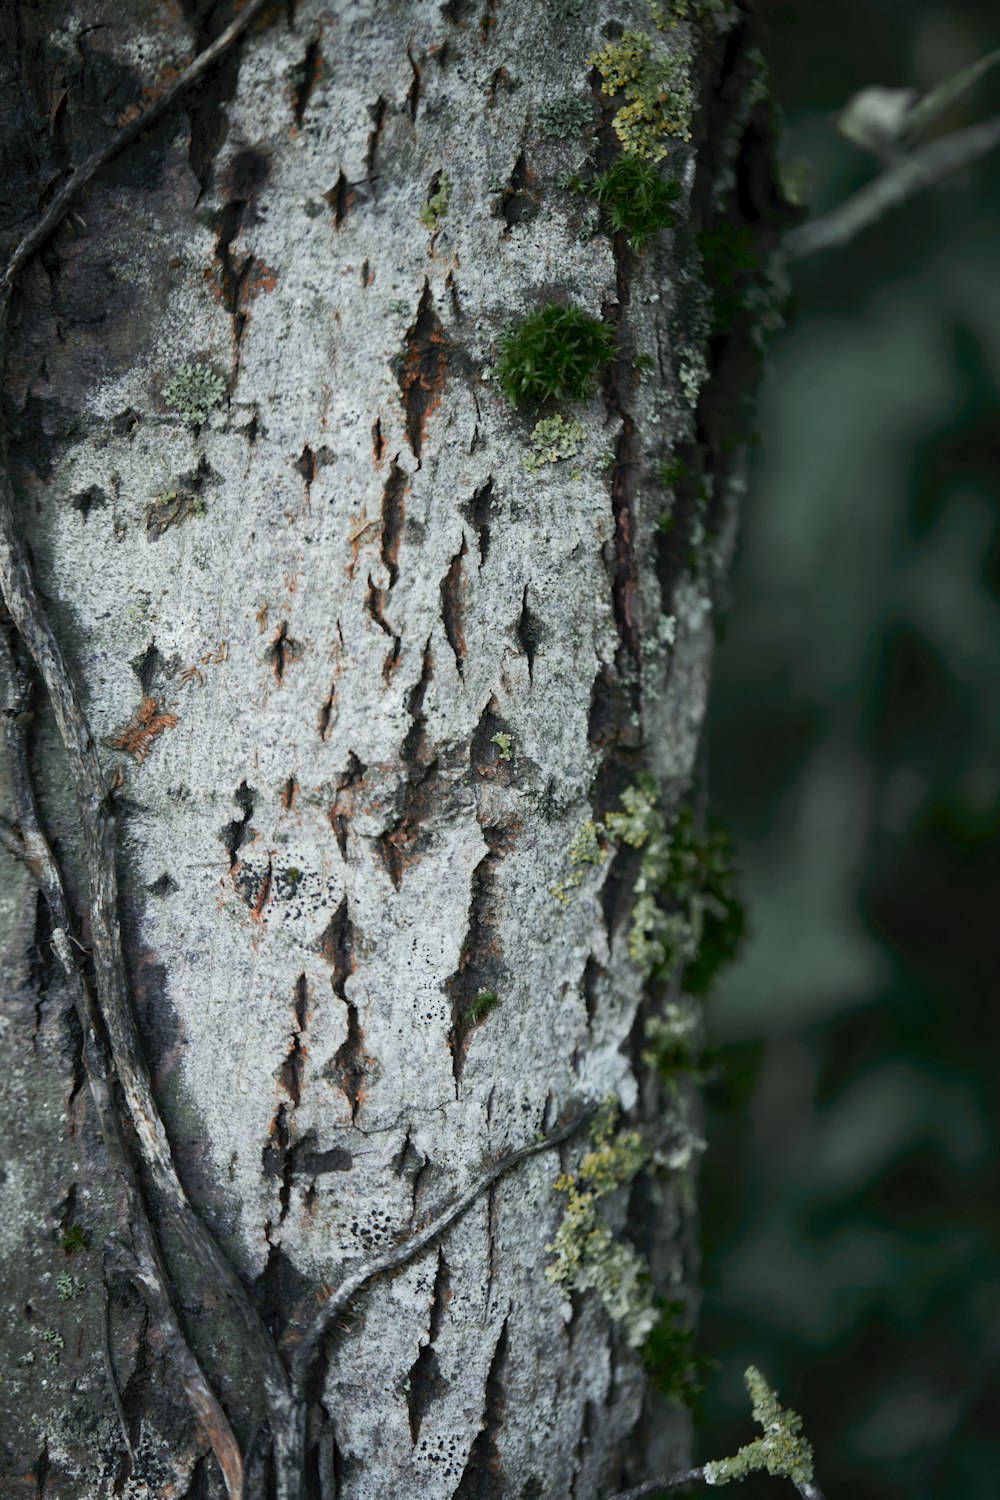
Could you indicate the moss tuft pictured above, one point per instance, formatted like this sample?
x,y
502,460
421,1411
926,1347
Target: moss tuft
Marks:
x,y
635,199
555,353
668,1354
480,1005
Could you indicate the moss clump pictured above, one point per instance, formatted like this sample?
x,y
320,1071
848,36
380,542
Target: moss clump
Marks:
x,y
588,1257
565,115
554,353
668,1354
75,1238
635,199
433,211
731,269
657,88
552,439
782,1451
193,390
480,1005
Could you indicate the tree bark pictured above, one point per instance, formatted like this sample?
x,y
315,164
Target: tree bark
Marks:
x,y
367,677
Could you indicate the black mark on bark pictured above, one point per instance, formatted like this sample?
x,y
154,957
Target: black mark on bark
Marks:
x,y
348,784
453,588
530,633
393,511
426,1382
479,511
483,1476
375,135
340,198
519,202
413,92
421,371
310,67
235,834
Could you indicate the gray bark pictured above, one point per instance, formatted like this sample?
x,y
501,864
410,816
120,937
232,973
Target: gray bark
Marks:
x,y
353,586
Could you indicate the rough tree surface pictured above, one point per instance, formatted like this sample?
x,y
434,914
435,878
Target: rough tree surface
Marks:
x,y
343,589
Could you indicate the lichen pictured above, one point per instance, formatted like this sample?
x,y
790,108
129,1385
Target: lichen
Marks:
x,y
587,848
565,115
658,90
552,439
503,743
783,1452
193,390
588,1257
434,209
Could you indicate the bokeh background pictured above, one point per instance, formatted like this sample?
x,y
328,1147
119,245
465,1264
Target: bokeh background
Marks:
x,y
850,1193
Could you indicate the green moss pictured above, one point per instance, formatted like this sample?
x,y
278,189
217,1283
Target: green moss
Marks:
x,y
480,1005
657,88
635,199
588,1257
503,743
783,1452
672,472
556,352
552,439
74,1239
669,1356
730,270
433,211
193,390
565,115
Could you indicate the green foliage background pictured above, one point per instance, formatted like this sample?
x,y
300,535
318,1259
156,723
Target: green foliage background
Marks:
x,y
850,1193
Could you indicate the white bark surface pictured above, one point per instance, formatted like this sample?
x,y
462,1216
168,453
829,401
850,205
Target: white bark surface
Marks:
x,y
326,856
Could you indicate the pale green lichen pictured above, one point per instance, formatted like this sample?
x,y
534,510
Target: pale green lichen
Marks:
x,y
669,14
658,90
552,439
193,390
783,1452
565,115
588,1257
68,1287
587,848
434,209
503,744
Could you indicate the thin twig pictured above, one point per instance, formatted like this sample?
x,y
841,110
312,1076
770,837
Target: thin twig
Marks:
x,y
923,168
805,1487
399,1255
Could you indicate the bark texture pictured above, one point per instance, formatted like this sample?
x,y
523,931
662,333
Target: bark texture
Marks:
x,y
299,627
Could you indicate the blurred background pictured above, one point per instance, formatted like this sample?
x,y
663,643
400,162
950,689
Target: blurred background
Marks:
x,y
850,1191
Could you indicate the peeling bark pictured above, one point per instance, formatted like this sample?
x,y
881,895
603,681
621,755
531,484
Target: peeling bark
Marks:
x,y
386,675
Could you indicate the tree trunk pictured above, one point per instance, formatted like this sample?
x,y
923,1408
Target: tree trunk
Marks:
x,y
373,685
